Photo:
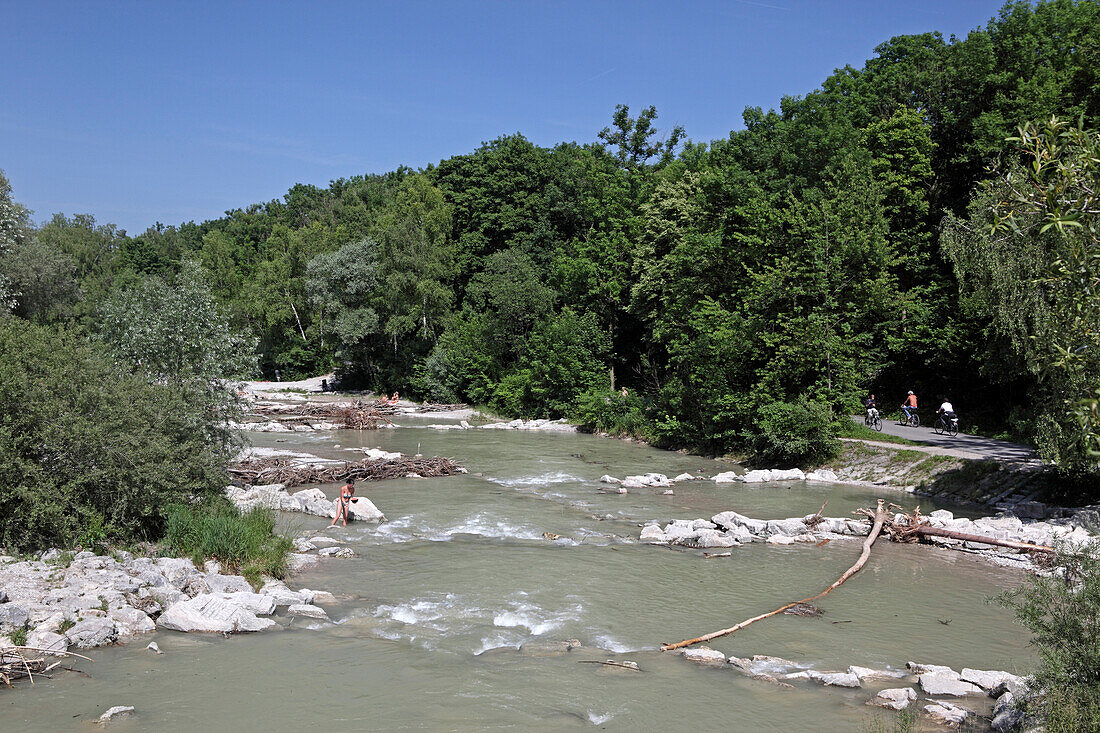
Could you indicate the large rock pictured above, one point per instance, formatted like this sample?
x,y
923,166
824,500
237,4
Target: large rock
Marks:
x,y
12,617
679,532
789,527
48,641
647,480
281,594
895,698
834,679
1016,685
211,613
822,474
130,621
257,603
307,610
727,477
92,632
714,538
1006,716
921,668
653,533
116,712
986,679
729,520
705,655
942,683
946,713
218,583
606,479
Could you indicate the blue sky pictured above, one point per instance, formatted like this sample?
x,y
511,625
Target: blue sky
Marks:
x,y
153,111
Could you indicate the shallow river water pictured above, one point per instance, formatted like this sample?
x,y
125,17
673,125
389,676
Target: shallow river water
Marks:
x,y
434,609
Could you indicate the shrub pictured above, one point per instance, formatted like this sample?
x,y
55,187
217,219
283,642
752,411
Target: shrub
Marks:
x,y
90,455
612,413
214,528
794,433
1062,611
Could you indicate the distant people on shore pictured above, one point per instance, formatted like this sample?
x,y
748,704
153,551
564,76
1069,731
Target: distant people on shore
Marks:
x,y
624,392
394,398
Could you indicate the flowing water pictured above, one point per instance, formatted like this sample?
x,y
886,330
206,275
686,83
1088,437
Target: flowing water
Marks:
x,y
448,617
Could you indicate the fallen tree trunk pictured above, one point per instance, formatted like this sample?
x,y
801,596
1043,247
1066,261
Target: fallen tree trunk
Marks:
x,y
926,531
876,529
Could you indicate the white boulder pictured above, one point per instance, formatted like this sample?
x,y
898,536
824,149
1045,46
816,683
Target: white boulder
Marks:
x,y
307,610
943,683
705,655
895,698
211,613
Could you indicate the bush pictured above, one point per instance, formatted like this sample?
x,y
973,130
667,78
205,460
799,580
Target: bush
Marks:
x,y
90,455
799,433
612,413
1062,611
243,543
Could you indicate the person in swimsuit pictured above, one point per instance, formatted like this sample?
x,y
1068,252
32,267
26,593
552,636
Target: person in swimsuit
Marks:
x,y
347,491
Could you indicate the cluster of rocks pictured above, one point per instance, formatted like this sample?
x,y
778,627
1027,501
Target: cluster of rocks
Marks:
x,y
648,481
308,501
545,426
935,682
274,426
94,600
730,529
660,480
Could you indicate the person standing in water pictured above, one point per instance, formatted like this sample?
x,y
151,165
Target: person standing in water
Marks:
x,y
347,491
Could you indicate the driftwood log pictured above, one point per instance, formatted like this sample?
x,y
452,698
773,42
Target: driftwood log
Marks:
x,y
914,526
17,664
879,518
258,471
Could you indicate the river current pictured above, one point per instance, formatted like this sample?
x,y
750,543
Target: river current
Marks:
x,y
451,614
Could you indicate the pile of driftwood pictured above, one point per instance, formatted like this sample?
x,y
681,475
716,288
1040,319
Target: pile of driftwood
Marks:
x,y
291,472
906,527
21,662
357,415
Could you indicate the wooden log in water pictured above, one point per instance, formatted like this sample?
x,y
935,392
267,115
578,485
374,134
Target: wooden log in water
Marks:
x,y
876,529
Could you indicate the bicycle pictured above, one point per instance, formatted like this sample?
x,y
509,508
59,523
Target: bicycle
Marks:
x,y
912,420
948,425
872,420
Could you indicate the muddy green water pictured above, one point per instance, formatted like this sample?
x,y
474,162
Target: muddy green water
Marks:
x,y
432,612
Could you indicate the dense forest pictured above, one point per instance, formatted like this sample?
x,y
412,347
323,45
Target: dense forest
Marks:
x,y
887,231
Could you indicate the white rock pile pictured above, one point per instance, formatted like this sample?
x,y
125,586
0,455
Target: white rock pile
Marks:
x,y
308,501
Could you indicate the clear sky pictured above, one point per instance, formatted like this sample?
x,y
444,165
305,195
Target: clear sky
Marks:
x,y
139,112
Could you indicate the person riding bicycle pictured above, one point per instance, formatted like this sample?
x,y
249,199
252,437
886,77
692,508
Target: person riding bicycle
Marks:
x,y
910,405
872,408
946,411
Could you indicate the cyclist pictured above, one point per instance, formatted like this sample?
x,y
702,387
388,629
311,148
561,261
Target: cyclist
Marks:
x,y
946,411
910,405
872,408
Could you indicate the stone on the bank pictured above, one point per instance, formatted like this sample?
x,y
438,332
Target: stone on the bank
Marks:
x,y
727,477
308,611
822,474
48,641
336,552
92,632
834,679
211,613
942,683
116,711
257,603
319,596
212,567
686,477
921,668
988,680
1006,716
946,713
152,646
705,655
621,490
297,560
868,673
12,617
679,532
652,533
1016,685
363,510
228,584
281,594
791,527
895,698
130,621
779,539
606,479
301,544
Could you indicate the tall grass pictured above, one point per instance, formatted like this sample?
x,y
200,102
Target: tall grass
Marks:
x,y
244,543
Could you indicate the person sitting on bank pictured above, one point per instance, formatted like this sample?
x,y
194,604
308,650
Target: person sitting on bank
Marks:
x,y
343,504
393,400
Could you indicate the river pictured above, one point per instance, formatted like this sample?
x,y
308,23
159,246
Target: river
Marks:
x,y
434,610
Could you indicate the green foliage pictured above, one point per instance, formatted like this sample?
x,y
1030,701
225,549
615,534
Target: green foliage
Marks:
x,y
800,433
91,454
1062,611
242,543
612,413
18,637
